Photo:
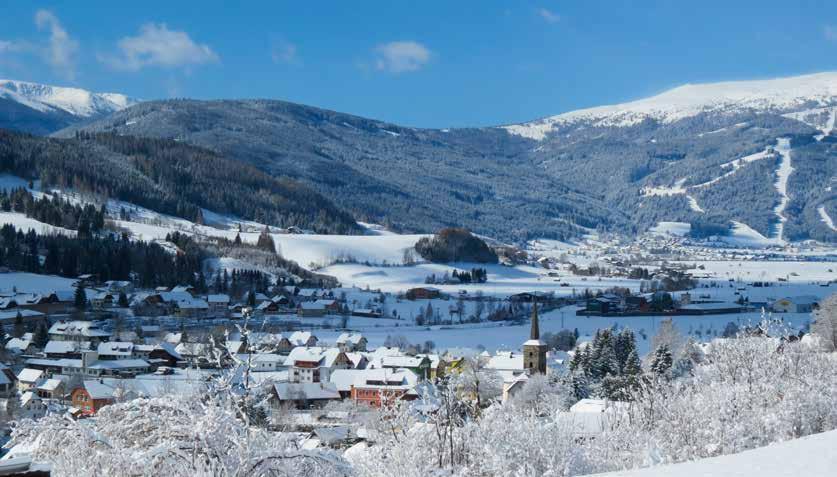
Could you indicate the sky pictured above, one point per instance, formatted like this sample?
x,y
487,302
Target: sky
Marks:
x,y
422,64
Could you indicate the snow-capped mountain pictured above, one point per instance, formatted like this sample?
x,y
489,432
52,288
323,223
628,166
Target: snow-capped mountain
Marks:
x,y
75,101
784,95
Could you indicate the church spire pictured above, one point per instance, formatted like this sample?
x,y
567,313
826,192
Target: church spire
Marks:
x,y
535,333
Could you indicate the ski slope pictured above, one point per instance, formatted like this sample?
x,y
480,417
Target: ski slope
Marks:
x,y
826,218
782,175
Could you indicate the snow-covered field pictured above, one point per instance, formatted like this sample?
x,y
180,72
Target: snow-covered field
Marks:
x,y
811,456
32,283
24,223
324,249
502,280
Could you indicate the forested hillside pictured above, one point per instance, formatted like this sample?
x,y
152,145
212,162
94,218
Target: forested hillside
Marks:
x,y
412,180
169,177
709,169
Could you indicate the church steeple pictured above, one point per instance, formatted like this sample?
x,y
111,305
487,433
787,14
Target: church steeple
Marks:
x,y
535,332
534,350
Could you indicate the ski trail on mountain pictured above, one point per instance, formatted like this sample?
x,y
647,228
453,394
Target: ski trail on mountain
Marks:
x,y
783,173
826,218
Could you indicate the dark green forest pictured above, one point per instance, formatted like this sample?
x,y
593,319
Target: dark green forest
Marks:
x,y
169,177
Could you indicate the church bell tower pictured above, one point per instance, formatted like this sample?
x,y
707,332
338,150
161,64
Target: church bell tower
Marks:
x,y
534,350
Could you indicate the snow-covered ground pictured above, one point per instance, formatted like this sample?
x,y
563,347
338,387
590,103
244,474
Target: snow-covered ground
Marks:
x,y
689,100
811,456
33,283
680,229
502,280
322,250
75,101
24,223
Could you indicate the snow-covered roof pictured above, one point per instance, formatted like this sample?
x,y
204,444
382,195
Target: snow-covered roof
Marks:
x,y
78,328
506,361
353,338
18,345
116,348
301,337
29,375
306,391
64,347
220,298
50,385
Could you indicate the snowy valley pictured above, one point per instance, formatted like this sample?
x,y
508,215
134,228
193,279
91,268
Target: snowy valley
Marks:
x,y
173,303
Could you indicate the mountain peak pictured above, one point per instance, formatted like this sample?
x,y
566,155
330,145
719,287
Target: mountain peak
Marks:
x,y
781,95
74,101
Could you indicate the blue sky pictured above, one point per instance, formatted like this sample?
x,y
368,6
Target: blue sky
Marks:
x,y
428,64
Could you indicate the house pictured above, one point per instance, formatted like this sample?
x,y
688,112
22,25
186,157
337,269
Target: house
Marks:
x,y
796,304
261,362
119,286
191,308
78,331
318,308
29,378
368,312
7,381
508,363
419,364
91,396
315,364
303,338
513,387
150,331
104,299
8,317
52,388
268,307
112,350
710,308
349,342
604,305
377,387
302,395
437,365
531,297
218,304
164,354
65,349
423,293
21,345
31,406
184,289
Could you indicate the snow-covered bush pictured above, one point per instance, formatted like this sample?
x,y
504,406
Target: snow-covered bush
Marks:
x,y
741,393
171,437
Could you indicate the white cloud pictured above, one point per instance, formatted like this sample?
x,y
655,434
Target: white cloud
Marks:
x,y
830,32
401,56
61,50
156,45
284,52
548,15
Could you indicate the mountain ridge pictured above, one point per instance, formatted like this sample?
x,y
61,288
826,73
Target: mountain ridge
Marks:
x,y
588,173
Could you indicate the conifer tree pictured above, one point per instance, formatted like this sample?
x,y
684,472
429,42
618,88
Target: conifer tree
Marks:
x,y
80,298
